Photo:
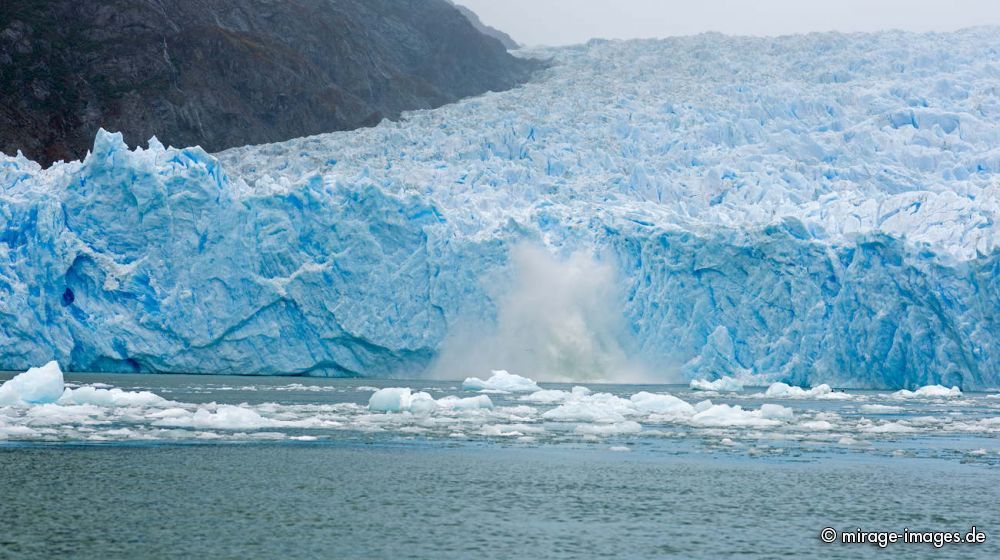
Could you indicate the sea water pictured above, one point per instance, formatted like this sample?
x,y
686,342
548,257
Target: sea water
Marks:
x,y
236,467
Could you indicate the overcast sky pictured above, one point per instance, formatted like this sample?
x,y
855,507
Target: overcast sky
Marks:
x,y
562,22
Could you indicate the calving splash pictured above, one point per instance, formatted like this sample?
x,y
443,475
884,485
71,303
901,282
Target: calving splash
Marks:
x,y
804,209
557,317
38,406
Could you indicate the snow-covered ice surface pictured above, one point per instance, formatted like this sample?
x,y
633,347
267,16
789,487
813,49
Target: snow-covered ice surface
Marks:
x,y
671,418
806,209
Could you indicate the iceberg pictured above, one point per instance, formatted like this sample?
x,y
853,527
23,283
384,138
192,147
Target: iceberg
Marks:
x,y
551,396
724,416
45,385
600,412
391,399
403,399
468,403
721,384
755,217
38,385
704,405
661,404
224,417
599,408
501,381
929,391
821,391
110,397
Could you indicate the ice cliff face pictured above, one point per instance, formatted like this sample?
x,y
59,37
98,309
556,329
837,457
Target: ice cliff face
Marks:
x,y
812,209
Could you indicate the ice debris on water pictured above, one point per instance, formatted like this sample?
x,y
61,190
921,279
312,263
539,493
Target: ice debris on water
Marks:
x,y
45,384
101,413
502,381
721,384
929,391
821,391
403,399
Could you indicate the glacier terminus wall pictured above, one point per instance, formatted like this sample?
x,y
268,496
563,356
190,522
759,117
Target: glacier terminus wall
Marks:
x,y
810,209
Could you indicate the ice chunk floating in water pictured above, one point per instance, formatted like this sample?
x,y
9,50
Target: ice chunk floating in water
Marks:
x,y
392,399
43,385
501,380
756,216
822,391
660,404
930,391
110,397
403,399
37,385
723,415
721,384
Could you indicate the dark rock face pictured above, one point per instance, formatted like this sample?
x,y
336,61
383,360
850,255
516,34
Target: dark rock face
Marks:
x,y
223,73
507,41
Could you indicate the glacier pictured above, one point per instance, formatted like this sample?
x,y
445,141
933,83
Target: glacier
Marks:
x,y
804,209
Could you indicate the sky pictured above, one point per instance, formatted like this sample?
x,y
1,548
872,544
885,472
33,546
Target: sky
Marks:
x,y
564,22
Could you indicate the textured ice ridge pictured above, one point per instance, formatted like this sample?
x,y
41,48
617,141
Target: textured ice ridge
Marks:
x,y
807,209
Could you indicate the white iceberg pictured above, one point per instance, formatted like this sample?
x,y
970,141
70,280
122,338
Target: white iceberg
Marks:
x,y
224,417
501,381
38,385
391,399
704,405
929,391
403,399
468,403
110,397
823,391
606,408
776,412
724,416
552,396
600,408
660,403
721,384
421,403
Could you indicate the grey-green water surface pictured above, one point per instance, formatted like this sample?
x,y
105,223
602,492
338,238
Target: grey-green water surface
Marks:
x,y
483,501
313,474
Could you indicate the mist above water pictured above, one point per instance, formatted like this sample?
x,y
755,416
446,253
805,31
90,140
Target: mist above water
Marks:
x,y
558,319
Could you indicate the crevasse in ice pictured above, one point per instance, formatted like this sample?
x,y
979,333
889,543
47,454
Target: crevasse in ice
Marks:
x,y
808,209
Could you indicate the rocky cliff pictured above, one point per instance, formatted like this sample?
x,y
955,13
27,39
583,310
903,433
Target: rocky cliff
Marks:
x,y
507,40
223,73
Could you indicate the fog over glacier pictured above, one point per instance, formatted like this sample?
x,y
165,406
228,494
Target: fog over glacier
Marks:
x,y
565,22
807,209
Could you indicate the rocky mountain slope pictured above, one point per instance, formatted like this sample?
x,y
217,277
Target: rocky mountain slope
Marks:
x,y
507,40
223,73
